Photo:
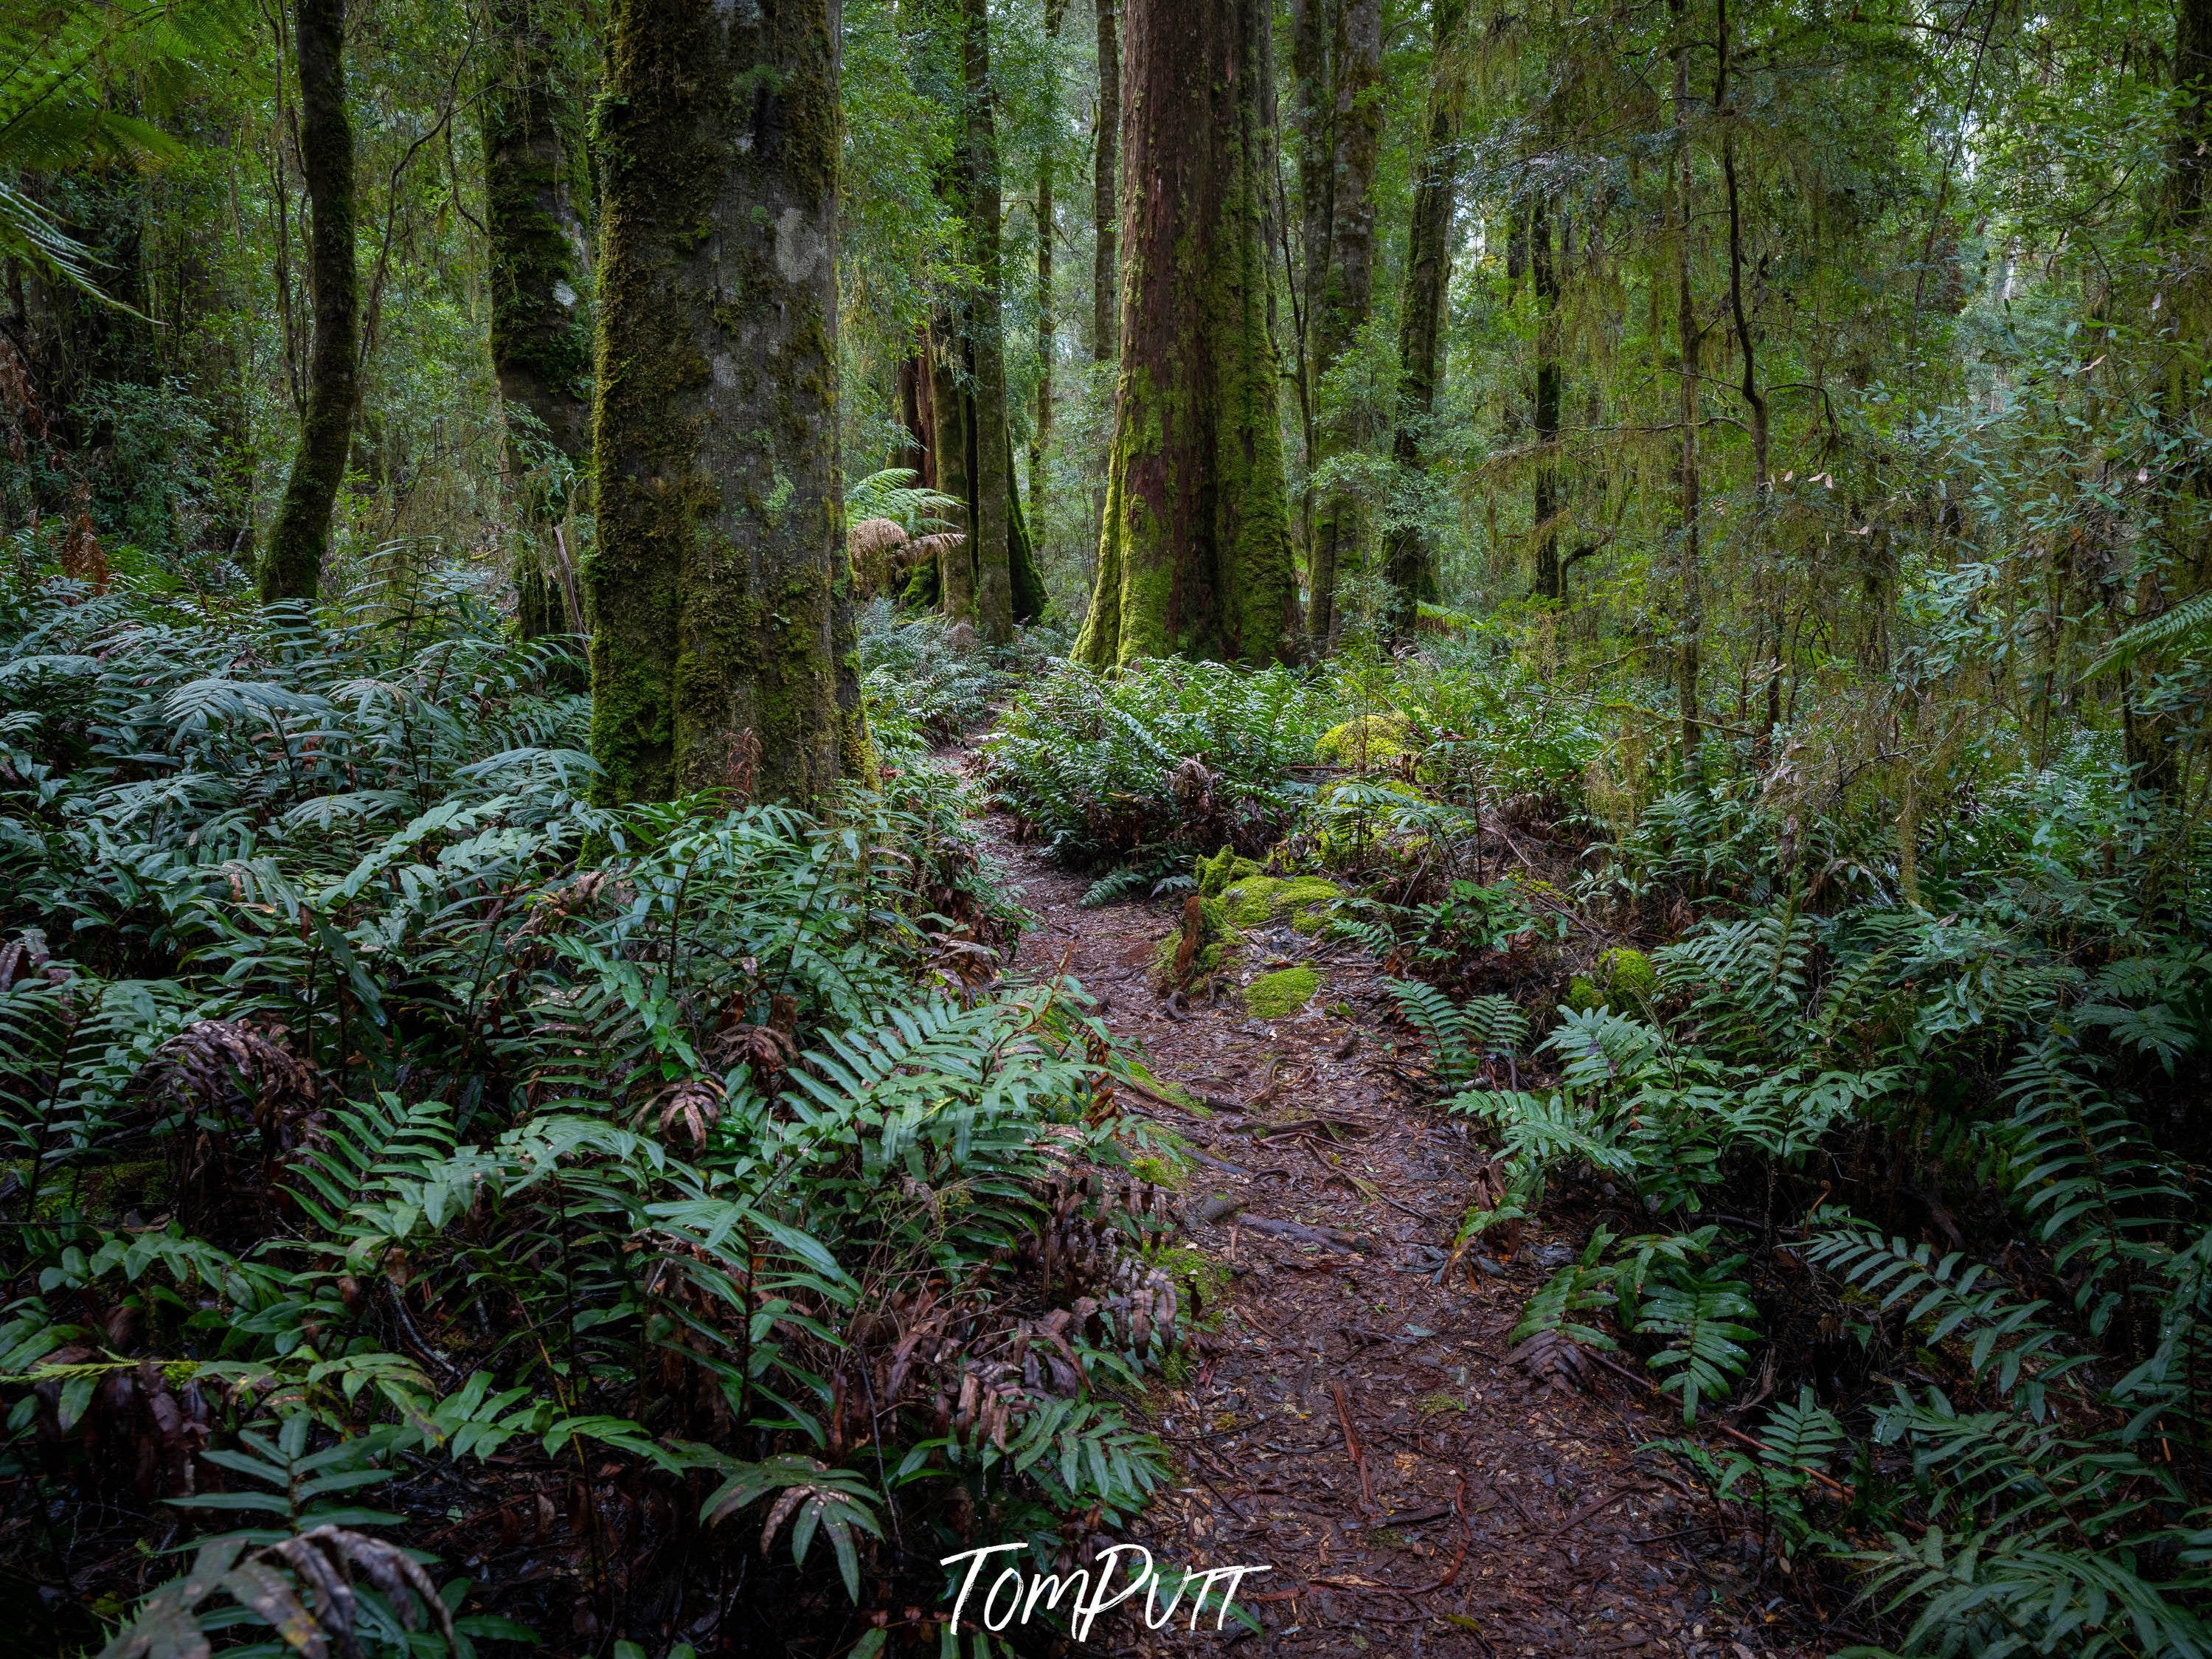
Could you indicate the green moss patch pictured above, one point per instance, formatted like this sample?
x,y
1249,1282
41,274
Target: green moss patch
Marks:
x,y
1259,901
1272,996
1621,977
1370,740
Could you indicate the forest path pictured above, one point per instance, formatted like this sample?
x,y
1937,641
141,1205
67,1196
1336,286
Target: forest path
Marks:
x,y
1492,1516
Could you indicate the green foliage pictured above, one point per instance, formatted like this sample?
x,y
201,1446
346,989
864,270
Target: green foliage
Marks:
x,y
1277,995
496,1125
1188,755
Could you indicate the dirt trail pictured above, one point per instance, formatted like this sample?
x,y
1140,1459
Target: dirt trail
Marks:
x,y
1485,1515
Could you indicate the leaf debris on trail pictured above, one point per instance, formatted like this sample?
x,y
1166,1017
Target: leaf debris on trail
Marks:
x,y
1505,1518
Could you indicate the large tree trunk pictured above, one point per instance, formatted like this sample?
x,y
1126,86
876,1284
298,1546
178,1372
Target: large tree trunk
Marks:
x,y
1544,269
1195,556
992,480
1311,32
1692,625
723,649
1421,308
293,566
1341,298
1043,433
541,337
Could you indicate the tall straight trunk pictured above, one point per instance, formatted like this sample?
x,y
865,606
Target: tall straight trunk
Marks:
x,y
541,335
948,396
1766,588
1691,576
1195,557
723,648
1105,173
292,569
1343,296
2185,204
992,480
1421,308
911,449
1545,272
1311,103
1042,434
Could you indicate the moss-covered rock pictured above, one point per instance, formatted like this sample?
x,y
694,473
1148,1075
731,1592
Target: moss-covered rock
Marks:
x,y
1307,902
1217,873
1370,740
1274,996
1621,976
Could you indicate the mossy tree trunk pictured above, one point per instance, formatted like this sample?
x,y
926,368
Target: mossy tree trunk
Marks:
x,y
1421,308
955,564
1544,270
993,483
1042,436
1194,558
1105,197
541,335
1689,334
1341,291
723,653
292,567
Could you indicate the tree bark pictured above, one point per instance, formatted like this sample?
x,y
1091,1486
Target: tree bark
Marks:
x,y
1196,555
541,337
292,567
1042,434
1346,289
1311,31
723,655
948,393
1545,273
993,481
1692,595
1105,171
1421,309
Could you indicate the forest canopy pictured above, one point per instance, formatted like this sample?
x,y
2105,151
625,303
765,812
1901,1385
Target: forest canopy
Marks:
x,y
559,559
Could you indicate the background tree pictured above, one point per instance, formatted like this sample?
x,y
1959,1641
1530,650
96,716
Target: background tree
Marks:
x,y
721,654
541,330
291,568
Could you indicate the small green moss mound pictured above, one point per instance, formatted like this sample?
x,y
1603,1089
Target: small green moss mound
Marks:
x,y
1370,740
1217,873
1272,996
1621,976
1261,901
1629,972
1202,1283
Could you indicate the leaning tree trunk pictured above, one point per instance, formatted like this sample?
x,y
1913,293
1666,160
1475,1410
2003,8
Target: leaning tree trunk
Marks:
x,y
1421,309
541,335
1194,557
1342,297
293,567
722,655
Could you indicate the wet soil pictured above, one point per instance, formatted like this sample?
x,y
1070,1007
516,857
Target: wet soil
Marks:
x,y
1357,1426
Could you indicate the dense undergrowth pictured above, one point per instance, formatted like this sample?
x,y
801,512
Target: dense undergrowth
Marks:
x,y
405,1154
1884,1145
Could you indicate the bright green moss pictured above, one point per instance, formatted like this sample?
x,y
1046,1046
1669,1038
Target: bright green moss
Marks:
x,y
1260,901
1272,996
1216,874
1621,976
1370,740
